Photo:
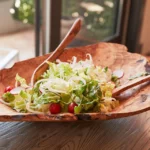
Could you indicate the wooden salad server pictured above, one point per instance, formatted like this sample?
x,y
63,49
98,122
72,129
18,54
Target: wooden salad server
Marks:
x,y
58,51
131,84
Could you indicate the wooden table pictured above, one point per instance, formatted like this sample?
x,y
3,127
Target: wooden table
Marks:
x,y
132,133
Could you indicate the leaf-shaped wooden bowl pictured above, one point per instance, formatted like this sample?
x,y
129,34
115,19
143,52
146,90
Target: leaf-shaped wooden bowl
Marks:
x,y
115,56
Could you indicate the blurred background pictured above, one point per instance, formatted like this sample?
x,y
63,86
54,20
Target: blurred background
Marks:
x,y
30,28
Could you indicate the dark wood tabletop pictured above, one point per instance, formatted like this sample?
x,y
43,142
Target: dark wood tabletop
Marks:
x,y
132,133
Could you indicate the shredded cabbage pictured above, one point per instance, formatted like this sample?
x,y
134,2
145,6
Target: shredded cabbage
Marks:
x,y
89,86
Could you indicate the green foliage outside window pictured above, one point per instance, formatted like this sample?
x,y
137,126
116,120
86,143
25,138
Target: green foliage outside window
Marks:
x,y
98,24
23,10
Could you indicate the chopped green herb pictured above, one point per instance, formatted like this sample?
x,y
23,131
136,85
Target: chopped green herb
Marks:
x,y
114,79
105,69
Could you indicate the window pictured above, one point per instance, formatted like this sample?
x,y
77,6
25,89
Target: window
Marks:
x,y
101,19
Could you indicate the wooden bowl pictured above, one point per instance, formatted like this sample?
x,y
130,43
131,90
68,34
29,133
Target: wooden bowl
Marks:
x,y
115,56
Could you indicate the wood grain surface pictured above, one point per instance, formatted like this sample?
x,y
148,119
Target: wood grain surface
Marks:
x,y
132,133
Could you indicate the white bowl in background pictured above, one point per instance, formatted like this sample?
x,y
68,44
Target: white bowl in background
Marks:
x,y
8,57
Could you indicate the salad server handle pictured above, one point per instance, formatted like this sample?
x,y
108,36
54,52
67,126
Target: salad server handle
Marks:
x,y
58,51
129,85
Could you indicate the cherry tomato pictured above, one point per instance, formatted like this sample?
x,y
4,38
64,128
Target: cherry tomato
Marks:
x,y
55,108
8,89
71,107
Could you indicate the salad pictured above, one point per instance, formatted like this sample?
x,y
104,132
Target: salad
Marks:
x,y
76,87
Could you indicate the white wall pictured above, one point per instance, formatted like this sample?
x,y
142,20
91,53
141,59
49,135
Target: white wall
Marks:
x,y
7,23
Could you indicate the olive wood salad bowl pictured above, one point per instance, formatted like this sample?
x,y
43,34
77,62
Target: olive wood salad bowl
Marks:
x,y
132,101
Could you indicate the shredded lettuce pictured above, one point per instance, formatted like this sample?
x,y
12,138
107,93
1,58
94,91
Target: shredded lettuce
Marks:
x,y
8,97
21,81
89,86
